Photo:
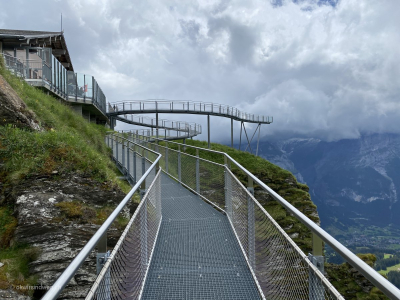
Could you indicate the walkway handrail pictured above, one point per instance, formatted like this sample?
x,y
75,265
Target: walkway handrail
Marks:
x,y
186,106
69,272
162,123
377,279
165,133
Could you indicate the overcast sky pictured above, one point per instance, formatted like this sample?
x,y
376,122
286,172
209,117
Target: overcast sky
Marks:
x,y
323,69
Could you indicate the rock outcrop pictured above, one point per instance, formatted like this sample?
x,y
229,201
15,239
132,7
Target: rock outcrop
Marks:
x,y
13,110
59,236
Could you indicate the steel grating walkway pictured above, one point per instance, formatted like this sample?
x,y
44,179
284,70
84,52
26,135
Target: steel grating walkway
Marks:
x,y
196,255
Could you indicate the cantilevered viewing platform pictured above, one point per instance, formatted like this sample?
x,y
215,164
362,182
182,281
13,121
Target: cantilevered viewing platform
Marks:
x,y
191,107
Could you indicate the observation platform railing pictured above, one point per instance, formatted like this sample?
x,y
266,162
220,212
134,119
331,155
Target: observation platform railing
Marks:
x,y
188,107
168,129
46,71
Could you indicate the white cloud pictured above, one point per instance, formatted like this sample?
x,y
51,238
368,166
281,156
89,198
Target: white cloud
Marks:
x,y
321,71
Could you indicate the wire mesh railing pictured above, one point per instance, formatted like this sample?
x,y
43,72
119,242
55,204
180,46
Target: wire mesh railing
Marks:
x,y
131,255
124,273
280,269
278,266
317,284
44,69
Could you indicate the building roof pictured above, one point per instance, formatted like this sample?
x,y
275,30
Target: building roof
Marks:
x,y
49,39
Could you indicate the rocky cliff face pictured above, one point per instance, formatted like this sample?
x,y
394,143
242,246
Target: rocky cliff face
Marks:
x,y
57,234
54,213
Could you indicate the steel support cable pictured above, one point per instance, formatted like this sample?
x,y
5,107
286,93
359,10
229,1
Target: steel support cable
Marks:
x,y
375,278
69,272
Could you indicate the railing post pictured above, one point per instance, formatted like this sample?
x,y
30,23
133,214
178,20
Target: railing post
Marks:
x,y
316,289
101,258
134,166
112,145
116,150
123,156
143,185
166,156
197,172
128,162
227,190
143,232
179,164
251,224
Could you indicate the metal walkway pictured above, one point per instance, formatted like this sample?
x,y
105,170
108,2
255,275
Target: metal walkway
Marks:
x,y
125,108
177,245
197,255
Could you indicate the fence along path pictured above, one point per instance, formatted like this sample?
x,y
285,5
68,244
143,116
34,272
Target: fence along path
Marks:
x,y
198,233
196,255
211,239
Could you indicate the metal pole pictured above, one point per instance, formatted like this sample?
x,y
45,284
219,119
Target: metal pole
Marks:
x,y
248,142
166,157
251,224
134,167
143,186
116,152
197,172
208,130
179,164
157,121
27,63
157,125
231,133
128,162
258,140
240,139
123,156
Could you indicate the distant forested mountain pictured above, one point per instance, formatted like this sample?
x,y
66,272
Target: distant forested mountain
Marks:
x,y
354,183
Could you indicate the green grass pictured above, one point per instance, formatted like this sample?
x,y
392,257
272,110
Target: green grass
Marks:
x,y
68,143
8,223
388,269
344,279
82,213
16,267
387,255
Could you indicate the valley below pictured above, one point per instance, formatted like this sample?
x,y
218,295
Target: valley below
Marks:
x,y
355,184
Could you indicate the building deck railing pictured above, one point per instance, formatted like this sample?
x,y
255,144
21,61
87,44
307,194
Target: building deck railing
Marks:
x,y
46,71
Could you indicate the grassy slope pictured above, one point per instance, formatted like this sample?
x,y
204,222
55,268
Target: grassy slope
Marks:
x,y
67,144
